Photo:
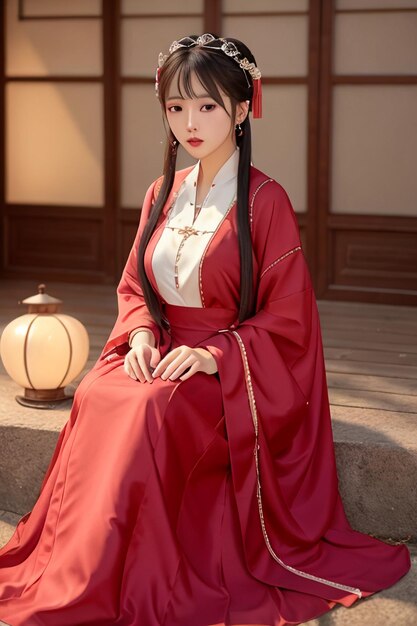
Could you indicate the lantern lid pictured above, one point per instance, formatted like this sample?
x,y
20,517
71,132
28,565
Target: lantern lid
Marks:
x,y
42,302
41,297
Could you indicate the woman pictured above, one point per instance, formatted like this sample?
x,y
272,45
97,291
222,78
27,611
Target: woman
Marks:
x,y
195,481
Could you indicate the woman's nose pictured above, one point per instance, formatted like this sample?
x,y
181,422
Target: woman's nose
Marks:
x,y
191,122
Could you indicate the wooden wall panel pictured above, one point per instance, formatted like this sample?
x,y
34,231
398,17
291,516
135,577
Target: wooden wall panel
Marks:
x,y
46,245
370,260
302,220
128,230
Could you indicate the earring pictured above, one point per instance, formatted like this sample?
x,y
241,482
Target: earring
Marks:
x,y
174,146
239,130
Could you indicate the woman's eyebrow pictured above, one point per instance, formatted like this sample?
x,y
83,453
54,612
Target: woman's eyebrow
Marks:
x,y
198,97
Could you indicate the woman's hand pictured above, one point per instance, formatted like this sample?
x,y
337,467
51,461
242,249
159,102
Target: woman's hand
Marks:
x,y
183,358
139,361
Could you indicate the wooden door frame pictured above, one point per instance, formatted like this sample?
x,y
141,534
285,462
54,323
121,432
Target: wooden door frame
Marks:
x,y
2,134
112,138
331,251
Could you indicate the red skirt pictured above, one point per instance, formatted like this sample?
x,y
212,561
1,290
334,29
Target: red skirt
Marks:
x,y
122,534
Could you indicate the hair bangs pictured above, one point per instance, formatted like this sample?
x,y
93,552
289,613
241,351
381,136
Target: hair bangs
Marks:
x,y
189,64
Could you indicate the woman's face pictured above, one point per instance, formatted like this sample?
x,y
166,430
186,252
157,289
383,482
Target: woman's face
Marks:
x,y
200,118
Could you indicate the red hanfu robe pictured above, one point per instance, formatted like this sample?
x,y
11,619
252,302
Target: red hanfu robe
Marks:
x,y
209,501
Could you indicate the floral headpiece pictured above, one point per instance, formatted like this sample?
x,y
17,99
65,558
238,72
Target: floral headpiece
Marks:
x,y
231,50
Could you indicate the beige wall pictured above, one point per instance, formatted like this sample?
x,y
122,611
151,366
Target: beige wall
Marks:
x,y
374,158
54,144
54,131
374,130
43,47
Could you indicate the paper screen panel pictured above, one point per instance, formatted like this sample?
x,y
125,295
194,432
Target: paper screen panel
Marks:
x,y
45,47
374,150
361,43
375,4
61,7
54,144
280,140
279,43
249,6
144,39
187,7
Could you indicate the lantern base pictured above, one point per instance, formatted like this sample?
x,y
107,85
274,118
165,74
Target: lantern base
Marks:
x,y
43,398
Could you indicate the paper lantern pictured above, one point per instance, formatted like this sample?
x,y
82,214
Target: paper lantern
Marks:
x,y
44,350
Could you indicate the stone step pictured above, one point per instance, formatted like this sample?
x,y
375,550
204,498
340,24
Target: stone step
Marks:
x,y
396,606
377,467
376,460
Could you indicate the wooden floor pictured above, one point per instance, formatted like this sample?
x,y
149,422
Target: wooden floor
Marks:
x,y
371,355
370,349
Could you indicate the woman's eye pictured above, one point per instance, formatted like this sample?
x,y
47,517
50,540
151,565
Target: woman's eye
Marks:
x,y
174,108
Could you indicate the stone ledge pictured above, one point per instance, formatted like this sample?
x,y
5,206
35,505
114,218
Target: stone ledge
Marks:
x,y
376,454
376,459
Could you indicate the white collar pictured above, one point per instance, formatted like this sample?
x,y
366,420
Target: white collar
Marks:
x,y
221,193
228,170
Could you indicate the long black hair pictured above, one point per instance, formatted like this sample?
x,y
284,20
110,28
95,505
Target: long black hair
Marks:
x,y
215,70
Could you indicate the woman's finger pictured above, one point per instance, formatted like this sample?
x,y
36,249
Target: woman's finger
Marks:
x,y
182,367
193,370
176,363
133,367
144,366
136,366
165,362
154,360
128,368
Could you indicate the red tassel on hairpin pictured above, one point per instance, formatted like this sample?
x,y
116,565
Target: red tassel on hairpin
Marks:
x,y
257,98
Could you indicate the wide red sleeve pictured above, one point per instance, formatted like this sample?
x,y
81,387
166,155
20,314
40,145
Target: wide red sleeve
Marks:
x,y
132,310
277,416
279,335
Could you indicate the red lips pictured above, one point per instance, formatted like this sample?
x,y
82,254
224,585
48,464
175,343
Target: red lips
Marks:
x,y
194,141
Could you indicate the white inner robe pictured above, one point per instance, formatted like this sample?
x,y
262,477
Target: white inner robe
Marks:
x,y
219,200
